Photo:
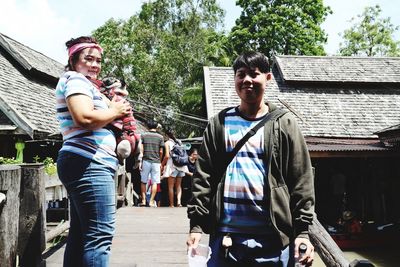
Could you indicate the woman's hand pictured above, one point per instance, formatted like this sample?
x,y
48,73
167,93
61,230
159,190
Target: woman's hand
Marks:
x,y
121,108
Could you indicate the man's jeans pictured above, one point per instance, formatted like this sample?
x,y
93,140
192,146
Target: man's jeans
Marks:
x,y
248,251
91,191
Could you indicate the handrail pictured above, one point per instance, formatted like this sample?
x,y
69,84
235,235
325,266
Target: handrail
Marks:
x,y
327,249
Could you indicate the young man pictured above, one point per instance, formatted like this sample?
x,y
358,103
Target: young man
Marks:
x,y
256,207
152,151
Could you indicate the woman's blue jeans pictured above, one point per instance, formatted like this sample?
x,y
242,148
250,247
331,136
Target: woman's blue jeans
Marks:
x,y
91,191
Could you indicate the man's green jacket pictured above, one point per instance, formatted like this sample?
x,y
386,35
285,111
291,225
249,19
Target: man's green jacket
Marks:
x,y
289,183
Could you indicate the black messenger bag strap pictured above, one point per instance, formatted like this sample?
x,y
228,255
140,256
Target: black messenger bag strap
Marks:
x,y
270,116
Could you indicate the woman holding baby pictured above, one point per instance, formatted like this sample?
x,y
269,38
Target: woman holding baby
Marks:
x,y
87,161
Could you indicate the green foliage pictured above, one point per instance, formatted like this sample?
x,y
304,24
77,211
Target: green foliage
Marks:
x,y
49,166
289,27
370,35
4,160
160,52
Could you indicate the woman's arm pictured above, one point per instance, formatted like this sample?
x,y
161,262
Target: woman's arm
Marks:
x,y
166,157
86,116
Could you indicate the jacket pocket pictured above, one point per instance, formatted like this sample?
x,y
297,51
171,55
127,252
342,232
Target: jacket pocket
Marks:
x,y
280,210
217,202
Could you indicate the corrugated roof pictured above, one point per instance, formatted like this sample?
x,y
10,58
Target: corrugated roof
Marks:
x,y
344,148
317,144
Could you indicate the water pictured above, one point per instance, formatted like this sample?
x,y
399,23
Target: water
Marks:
x,y
379,256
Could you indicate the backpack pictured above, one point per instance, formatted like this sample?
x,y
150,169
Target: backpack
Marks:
x,y
179,155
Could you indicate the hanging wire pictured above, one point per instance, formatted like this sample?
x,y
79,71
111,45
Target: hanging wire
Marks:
x,y
149,114
193,117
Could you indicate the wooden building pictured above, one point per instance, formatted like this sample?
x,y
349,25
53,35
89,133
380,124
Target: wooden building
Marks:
x,y
27,101
342,104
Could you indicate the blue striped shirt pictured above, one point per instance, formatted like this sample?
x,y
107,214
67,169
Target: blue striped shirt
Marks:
x,y
245,208
98,144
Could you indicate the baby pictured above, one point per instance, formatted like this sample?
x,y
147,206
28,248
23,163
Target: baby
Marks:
x,y
125,127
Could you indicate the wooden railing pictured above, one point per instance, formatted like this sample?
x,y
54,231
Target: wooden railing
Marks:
x,y
22,215
327,249
23,230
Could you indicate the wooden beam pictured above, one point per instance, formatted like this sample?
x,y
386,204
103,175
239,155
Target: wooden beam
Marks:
x,y
327,249
353,154
17,118
53,233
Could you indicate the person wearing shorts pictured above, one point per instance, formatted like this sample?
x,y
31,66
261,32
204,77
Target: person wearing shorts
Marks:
x,y
151,151
173,172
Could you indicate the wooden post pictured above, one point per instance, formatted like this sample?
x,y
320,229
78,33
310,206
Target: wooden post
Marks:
x,y
32,220
10,180
327,249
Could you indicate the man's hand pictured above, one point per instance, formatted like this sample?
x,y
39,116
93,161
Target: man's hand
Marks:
x,y
193,240
308,256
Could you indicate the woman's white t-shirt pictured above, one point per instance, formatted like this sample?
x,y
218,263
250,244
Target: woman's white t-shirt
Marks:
x,y
170,167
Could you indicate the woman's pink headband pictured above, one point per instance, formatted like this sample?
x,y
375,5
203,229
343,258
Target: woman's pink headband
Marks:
x,y
78,47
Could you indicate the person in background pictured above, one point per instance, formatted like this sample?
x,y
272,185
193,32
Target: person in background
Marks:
x,y
263,200
152,152
187,180
193,155
173,172
87,162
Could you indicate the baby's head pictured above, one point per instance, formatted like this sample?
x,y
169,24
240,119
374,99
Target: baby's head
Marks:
x,y
113,86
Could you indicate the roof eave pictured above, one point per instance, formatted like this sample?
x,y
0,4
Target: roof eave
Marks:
x,y
17,118
20,59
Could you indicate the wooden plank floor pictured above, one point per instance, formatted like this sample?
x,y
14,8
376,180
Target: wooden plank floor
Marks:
x,y
145,237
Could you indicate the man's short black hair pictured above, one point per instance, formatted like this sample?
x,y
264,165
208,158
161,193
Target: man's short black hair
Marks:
x,y
252,60
152,124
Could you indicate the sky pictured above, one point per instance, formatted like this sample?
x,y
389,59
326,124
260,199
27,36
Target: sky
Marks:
x,y
45,25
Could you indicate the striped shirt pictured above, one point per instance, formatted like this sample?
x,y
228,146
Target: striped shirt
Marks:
x,y
98,144
152,142
245,208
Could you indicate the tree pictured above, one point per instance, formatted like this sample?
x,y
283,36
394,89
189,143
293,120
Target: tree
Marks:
x,y
290,27
370,36
160,52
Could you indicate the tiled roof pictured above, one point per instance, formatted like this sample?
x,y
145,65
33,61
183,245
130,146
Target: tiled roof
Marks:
x,y
26,93
354,110
30,104
30,58
339,69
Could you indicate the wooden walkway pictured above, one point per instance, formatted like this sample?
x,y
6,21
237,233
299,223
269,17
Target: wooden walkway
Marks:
x,y
145,237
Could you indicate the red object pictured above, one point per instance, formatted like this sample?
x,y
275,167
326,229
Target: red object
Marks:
x,y
366,239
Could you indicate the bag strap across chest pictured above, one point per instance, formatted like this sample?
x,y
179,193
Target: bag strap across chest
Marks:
x,y
272,116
